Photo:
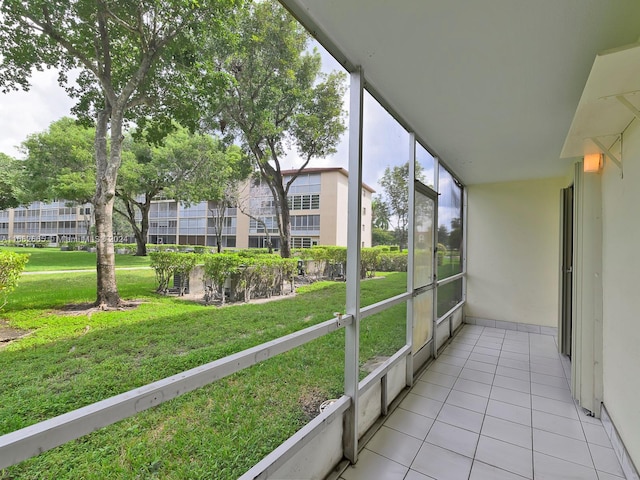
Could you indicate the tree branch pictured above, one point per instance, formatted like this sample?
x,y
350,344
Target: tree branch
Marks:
x,y
47,28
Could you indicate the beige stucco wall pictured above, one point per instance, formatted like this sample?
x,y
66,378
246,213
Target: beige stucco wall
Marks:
x,y
621,288
513,251
331,186
366,218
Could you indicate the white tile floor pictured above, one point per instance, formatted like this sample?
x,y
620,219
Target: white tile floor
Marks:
x,y
495,405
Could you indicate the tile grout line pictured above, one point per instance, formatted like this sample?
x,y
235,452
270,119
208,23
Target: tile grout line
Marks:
x,y
484,416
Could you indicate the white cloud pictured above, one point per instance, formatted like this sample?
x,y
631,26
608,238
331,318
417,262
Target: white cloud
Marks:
x,y
23,113
385,141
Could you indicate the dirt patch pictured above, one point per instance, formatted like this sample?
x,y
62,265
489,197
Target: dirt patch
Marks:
x,y
8,333
88,309
373,363
310,402
199,299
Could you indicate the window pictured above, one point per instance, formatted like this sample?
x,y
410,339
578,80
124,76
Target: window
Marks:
x,y
303,242
258,227
449,225
304,183
163,210
305,223
198,210
304,202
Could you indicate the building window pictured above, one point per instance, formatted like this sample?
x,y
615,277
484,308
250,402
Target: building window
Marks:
x,y
304,202
305,223
304,183
303,242
257,227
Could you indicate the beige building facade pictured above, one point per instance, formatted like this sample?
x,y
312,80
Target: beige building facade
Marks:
x,y
317,200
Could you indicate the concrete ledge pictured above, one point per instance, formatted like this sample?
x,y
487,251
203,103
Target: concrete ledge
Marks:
x,y
520,327
629,469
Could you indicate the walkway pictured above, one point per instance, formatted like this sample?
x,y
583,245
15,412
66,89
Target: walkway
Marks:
x,y
495,405
80,270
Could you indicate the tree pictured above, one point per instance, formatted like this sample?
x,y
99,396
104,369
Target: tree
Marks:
x,y
184,166
278,98
443,234
395,184
382,237
135,59
215,178
59,163
379,213
251,202
455,236
10,191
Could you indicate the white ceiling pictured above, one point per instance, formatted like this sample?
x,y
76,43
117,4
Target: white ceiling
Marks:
x,y
491,86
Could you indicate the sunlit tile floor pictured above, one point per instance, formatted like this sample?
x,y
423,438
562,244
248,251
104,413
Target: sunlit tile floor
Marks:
x,y
495,405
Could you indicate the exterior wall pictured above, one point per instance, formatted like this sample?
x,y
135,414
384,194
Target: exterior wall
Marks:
x,y
366,218
333,218
170,222
513,251
621,302
242,224
334,213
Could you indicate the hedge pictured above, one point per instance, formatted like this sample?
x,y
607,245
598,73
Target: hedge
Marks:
x,y
253,273
249,276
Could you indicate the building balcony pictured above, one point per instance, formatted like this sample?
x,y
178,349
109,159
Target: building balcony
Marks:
x,y
495,404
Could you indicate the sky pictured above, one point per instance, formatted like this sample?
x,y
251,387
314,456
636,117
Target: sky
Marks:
x,y
24,113
385,142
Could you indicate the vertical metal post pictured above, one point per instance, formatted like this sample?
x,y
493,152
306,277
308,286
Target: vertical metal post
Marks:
x,y
465,221
434,331
411,253
354,229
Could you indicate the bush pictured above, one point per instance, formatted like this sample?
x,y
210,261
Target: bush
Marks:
x,y
393,262
442,252
369,258
168,264
248,276
11,266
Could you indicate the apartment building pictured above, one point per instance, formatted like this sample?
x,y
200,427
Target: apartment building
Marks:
x,y
56,222
315,200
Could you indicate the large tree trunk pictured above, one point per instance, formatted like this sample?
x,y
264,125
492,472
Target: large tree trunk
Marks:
x,y
142,233
284,224
107,163
141,243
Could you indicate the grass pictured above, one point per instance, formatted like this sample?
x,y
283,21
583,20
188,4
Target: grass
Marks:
x,y
450,293
218,431
48,259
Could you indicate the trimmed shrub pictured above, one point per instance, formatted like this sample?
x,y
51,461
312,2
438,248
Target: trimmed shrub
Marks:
x,y
246,277
369,258
11,266
168,264
393,262
442,252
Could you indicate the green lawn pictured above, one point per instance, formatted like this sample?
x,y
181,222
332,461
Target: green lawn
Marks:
x,y
218,431
451,293
41,259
